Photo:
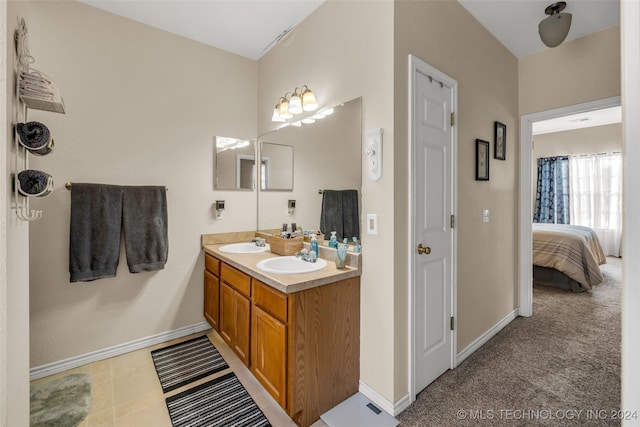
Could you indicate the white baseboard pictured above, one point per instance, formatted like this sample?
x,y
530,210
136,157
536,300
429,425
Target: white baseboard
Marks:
x,y
116,350
482,339
390,408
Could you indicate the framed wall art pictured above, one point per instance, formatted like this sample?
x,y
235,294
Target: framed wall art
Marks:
x,y
499,141
482,160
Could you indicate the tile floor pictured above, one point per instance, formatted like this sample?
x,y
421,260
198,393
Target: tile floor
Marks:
x,y
126,391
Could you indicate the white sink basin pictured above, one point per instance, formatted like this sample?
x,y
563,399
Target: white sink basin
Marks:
x,y
290,265
243,248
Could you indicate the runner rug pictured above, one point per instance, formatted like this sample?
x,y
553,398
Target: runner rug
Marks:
x,y
185,362
221,402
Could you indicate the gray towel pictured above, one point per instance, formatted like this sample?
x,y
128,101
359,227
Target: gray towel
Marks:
x,y
33,182
36,137
340,214
96,220
350,215
144,219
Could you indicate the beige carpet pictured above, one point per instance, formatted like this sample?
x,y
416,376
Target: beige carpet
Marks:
x,y
560,367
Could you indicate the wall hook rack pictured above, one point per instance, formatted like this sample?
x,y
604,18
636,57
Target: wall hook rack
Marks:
x,y
23,64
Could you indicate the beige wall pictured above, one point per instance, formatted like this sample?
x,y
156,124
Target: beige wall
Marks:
x,y
142,106
342,51
446,36
16,315
581,70
596,139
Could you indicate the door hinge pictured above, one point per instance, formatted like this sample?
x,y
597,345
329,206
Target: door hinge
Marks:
x,y
453,119
453,323
452,221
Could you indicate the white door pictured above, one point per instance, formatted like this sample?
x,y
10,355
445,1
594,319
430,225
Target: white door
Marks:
x,y
432,150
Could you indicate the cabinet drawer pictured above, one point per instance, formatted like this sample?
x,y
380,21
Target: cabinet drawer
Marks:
x,y
236,279
271,300
212,264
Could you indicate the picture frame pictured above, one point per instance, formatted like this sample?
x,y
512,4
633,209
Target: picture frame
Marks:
x,y
482,160
499,141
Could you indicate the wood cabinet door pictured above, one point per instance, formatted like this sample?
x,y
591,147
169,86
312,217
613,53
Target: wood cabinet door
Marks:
x,y
211,299
243,323
227,314
269,353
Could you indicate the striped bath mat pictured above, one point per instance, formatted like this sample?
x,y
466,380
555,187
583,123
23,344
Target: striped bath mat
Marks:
x,y
185,362
222,402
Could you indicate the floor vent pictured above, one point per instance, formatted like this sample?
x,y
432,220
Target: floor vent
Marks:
x,y
358,411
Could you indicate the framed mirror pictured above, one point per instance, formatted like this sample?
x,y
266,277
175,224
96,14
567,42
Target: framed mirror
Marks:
x,y
327,155
234,164
276,167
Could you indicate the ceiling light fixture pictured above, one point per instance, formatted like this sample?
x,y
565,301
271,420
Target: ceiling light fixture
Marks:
x,y
554,28
302,99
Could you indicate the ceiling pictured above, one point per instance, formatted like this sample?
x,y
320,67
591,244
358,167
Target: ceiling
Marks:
x,y
244,27
250,27
515,22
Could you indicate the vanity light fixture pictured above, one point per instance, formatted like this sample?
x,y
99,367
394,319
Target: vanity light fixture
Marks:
x,y
293,103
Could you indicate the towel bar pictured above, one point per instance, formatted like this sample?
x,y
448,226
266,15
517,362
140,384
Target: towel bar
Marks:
x,y
69,184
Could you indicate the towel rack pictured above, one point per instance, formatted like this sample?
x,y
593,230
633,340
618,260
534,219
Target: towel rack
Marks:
x,y
69,184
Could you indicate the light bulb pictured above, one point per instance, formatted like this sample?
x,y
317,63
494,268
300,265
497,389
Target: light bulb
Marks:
x,y
309,102
295,104
284,110
276,115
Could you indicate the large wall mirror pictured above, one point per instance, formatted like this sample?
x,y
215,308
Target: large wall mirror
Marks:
x,y
276,167
234,164
326,155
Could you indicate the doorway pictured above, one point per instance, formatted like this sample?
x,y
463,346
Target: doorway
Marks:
x,y
526,195
432,202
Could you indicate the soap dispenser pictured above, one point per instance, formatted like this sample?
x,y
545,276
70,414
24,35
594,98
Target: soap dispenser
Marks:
x,y
333,241
314,244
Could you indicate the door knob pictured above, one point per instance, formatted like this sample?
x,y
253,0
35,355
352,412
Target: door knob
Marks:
x,y
423,249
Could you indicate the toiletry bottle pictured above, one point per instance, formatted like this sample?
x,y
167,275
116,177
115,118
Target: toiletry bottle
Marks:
x,y
314,245
357,247
333,241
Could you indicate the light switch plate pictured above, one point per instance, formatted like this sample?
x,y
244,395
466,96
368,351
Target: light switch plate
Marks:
x,y
372,223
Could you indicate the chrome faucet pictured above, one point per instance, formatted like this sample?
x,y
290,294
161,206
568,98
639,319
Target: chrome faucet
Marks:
x,y
307,256
259,241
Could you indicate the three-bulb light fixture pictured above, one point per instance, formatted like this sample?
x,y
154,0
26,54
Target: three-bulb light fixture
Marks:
x,y
302,99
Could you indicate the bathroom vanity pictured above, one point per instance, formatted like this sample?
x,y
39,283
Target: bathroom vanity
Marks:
x,y
299,334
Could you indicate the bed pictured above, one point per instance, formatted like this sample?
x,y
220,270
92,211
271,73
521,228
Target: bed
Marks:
x,y
566,256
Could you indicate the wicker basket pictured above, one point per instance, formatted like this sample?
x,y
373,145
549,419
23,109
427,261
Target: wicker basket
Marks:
x,y
282,246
